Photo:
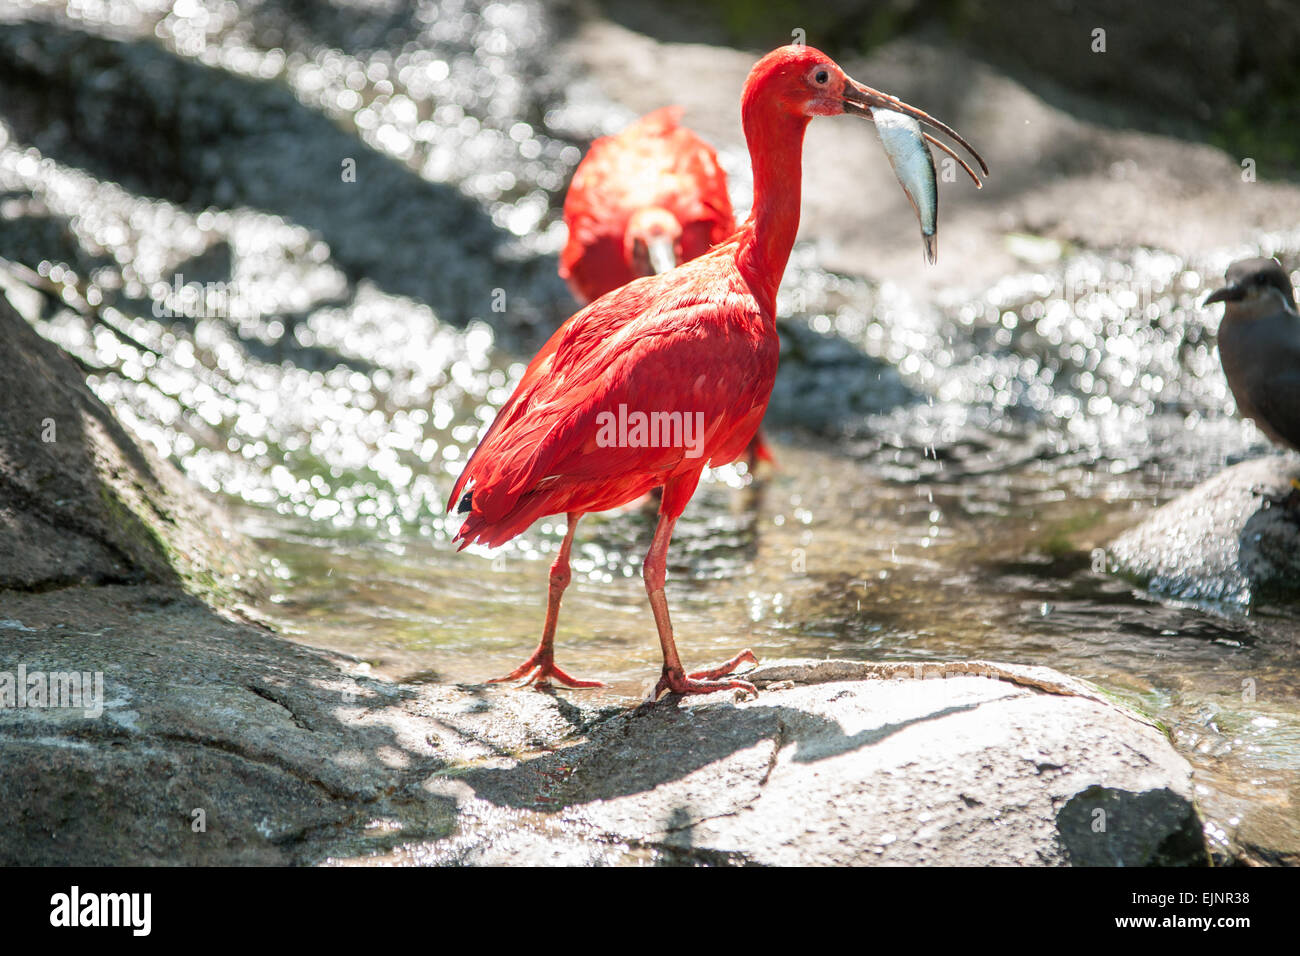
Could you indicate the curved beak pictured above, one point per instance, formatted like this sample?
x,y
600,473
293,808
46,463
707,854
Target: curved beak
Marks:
x,y
1229,293
861,100
663,257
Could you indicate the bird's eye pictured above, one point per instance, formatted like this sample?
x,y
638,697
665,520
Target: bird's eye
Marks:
x,y
822,77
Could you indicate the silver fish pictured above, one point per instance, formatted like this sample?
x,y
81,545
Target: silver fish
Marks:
x,y
904,144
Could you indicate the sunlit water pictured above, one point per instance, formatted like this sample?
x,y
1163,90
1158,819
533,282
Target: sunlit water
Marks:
x,y
947,469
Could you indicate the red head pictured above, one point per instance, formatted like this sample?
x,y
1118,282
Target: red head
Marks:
x,y
652,241
797,80
786,89
800,82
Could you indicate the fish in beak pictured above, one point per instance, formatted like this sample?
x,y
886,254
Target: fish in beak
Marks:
x,y
914,166
905,143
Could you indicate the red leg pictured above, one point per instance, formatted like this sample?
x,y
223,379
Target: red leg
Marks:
x,y
540,668
758,451
674,678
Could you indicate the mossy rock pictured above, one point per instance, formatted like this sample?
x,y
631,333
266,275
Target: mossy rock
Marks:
x,y
81,501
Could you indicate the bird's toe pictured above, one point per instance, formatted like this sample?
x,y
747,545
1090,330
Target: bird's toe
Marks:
x,y
679,683
713,673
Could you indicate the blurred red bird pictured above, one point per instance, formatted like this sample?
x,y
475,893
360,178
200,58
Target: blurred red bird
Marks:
x,y
652,382
641,203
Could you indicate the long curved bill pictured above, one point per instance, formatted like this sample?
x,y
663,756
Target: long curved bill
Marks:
x,y
663,257
899,127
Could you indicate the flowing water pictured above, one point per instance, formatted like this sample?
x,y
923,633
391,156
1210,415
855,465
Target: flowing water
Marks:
x,y
323,353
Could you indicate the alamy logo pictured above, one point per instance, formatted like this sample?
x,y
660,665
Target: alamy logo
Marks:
x,y
53,689
638,429
102,909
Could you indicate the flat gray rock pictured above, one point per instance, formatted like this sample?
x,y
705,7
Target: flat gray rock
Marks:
x,y
219,742
1221,541
960,770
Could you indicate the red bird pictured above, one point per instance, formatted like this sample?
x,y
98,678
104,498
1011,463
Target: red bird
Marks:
x,y
649,384
642,202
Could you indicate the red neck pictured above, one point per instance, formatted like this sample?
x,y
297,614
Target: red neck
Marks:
x,y
775,138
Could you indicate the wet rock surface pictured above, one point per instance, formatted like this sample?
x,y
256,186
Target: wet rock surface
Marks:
x,y
218,742
1231,538
81,501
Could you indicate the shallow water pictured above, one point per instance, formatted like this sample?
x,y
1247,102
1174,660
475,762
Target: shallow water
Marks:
x,y
947,469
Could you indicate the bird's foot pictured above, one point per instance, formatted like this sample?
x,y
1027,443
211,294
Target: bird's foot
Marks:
x,y
722,670
706,681
540,669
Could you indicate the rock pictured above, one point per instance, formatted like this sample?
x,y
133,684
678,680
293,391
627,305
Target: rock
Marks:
x,y
232,141
80,500
236,746
219,742
958,771
1151,830
1221,541
209,740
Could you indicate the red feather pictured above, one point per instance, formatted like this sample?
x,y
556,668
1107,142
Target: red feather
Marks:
x,y
655,162
697,326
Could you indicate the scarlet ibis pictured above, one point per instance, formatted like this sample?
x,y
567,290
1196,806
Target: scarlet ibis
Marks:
x,y
650,383
644,202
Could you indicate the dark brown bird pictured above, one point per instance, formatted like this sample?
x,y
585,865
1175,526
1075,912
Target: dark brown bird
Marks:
x,y
1259,345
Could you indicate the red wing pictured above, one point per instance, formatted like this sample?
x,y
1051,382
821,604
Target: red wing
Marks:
x,y
687,389
579,334
700,379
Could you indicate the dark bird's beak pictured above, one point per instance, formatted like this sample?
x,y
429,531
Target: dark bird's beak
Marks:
x,y
663,255
1229,293
860,100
